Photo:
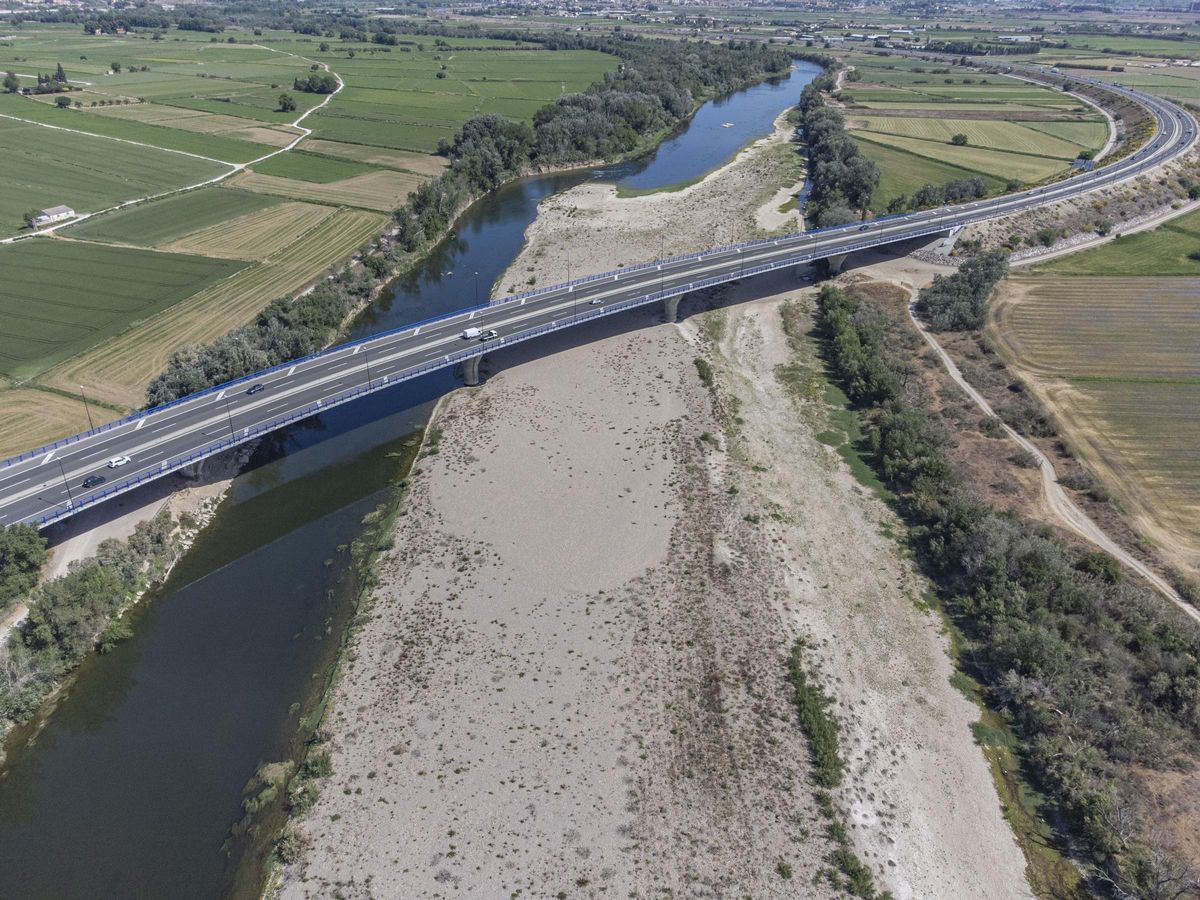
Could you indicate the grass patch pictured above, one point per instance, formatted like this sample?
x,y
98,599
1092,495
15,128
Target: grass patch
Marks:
x,y
818,725
705,370
311,167
60,297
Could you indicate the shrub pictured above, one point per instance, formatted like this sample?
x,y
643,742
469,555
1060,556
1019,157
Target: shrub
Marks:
x,y
959,140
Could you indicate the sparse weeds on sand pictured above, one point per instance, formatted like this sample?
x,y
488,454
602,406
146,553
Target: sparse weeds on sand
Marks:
x,y
845,870
705,370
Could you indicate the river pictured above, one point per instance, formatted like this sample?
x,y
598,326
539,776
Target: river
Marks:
x,y
132,785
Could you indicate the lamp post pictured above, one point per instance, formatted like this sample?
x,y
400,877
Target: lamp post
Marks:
x,y
67,485
229,418
367,357
476,288
87,408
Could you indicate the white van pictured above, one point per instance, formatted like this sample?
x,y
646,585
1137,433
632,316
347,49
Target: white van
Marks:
x,y
471,334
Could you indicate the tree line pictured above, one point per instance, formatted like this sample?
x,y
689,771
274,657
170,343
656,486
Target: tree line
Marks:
x,y
841,179
959,302
1094,673
656,86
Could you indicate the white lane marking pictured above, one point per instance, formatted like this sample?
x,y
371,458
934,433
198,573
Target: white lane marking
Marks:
x,y
142,421
357,347
291,370
416,331
220,395
471,316
522,301
47,457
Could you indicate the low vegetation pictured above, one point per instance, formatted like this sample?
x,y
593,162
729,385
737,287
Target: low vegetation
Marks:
x,y
1095,674
72,615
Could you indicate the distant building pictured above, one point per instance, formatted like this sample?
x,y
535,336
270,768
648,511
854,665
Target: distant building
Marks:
x,y
52,215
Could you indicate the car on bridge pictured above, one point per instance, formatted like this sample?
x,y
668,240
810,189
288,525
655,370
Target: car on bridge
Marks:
x,y
117,461
256,389
489,335
92,480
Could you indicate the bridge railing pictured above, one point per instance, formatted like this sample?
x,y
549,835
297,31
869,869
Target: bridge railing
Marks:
x,y
1098,177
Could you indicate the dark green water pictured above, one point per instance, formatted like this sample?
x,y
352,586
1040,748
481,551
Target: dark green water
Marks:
x,y
133,782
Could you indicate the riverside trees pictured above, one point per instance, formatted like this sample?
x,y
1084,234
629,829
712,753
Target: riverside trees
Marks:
x,y
1095,675
840,177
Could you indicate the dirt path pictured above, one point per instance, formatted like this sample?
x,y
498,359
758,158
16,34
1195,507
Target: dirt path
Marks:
x,y
1061,505
234,169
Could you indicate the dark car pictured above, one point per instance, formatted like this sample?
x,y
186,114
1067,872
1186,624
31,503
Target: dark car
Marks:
x,y
92,480
863,227
256,389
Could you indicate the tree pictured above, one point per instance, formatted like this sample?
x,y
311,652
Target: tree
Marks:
x,y
31,216
59,75
959,140
12,84
116,67
323,47
287,103
63,102
22,555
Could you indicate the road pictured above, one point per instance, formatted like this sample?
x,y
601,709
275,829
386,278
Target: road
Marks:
x,y
46,485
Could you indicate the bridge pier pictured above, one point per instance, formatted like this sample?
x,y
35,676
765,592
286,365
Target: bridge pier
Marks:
x,y
471,371
671,308
836,262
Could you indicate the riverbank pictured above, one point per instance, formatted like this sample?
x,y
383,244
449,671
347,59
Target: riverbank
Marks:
x,y
574,675
597,229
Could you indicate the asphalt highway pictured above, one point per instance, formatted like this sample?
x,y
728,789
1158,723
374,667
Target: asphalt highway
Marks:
x,y
47,485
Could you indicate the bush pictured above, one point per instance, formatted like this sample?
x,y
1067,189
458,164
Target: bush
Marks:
x,y
816,722
959,140
958,302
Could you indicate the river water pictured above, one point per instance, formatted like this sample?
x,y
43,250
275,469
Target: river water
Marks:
x,y
132,786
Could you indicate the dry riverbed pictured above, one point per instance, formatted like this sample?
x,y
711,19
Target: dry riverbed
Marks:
x,y
573,676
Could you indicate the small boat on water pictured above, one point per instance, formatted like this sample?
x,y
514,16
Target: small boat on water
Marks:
x,y
727,125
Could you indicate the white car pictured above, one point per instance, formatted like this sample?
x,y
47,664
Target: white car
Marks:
x,y
117,461
594,302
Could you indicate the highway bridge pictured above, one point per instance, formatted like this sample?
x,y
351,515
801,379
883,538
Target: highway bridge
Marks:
x,y
50,483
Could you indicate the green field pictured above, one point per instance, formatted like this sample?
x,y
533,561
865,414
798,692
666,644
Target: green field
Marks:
x,y
1163,251
214,146
311,167
43,167
978,160
59,297
163,221
1012,137
905,173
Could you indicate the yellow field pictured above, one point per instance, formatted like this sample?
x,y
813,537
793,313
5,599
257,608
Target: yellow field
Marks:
x,y
256,235
1115,359
204,122
32,418
417,163
383,190
119,370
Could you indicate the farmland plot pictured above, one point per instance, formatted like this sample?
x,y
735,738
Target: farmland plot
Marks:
x,y
256,235
1115,358
379,190
162,221
44,168
59,297
119,370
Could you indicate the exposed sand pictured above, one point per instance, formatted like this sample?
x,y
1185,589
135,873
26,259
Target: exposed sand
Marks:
x,y
573,676
603,231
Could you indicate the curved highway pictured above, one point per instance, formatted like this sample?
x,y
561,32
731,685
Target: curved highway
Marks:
x,y
47,484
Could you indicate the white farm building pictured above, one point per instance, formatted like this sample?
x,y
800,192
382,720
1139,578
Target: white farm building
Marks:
x,y
52,215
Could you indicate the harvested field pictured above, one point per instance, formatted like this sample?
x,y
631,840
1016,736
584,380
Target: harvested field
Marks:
x,y
205,123
1115,359
119,370
417,163
171,218
59,298
382,190
256,235
31,418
